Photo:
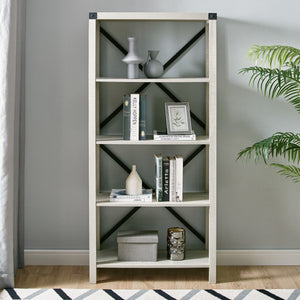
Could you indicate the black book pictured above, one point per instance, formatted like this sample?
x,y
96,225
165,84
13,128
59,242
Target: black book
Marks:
x,y
166,178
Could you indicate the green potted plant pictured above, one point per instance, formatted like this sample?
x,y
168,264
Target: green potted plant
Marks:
x,y
276,74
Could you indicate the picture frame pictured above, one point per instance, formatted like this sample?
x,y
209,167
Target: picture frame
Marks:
x,y
178,118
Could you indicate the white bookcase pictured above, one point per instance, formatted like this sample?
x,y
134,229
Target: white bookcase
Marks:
x,y
98,199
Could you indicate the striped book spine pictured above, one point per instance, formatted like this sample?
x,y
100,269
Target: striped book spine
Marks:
x,y
142,117
126,117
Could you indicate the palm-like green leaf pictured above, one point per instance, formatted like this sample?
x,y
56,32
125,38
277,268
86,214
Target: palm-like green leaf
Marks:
x,y
292,172
277,82
286,144
281,77
274,55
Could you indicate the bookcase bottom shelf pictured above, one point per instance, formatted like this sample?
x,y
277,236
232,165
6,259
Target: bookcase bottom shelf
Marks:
x,y
194,259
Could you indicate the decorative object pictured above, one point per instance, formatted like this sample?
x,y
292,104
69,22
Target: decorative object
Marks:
x,y
176,243
280,79
178,118
159,294
137,245
132,59
153,68
133,183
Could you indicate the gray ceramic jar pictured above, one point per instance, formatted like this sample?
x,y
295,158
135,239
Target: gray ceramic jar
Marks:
x,y
153,68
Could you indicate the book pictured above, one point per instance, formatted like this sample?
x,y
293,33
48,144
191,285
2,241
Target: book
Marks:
x,y
119,195
172,180
165,173
134,116
126,117
179,177
142,122
158,176
163,136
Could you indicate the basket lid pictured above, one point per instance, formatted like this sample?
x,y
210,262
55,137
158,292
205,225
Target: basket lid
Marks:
x,y
142,237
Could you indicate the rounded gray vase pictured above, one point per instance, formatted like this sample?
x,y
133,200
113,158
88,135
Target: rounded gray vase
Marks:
x,y
153,68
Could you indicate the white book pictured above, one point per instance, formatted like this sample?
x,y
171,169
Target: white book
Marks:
x,y
158,176
172,180
163,136
179,177
134,116
119,195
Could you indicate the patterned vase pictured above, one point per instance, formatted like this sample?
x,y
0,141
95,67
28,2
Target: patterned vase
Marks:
x,y
176,243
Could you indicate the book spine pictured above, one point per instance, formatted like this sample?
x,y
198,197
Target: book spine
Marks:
x,y
166,177
172,179
158,177
126,117
142,131
134,117
179,177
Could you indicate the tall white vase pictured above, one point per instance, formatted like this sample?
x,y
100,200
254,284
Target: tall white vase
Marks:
x,y
132,59
133,183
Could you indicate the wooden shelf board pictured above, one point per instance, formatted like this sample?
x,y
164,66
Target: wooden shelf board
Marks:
x,y
189,200
178,80
118,140
152,16
193,259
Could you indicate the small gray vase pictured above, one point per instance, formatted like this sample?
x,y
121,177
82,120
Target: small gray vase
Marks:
x,y
153,68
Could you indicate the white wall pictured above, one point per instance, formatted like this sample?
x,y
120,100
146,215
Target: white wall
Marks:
x,y
257,209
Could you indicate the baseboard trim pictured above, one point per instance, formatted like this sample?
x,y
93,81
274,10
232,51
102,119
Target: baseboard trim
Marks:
x,y
258,257
56,257
224,257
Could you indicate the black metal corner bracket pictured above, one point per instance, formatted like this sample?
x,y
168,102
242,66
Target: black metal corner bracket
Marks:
x,y
92,15
212,16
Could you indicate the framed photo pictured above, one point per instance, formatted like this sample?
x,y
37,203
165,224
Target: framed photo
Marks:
x,y
178,118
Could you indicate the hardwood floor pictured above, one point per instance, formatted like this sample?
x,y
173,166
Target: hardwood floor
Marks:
x,y
229,277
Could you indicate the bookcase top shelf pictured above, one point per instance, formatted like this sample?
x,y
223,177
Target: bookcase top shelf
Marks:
x,y
152,16
170,79
118,140
189,200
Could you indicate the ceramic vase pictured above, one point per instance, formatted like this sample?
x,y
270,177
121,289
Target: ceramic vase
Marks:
x,y
153,68
133,183
132,59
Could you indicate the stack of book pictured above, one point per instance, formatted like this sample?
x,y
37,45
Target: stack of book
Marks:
x,y
134,117
169,178
119,195
163,136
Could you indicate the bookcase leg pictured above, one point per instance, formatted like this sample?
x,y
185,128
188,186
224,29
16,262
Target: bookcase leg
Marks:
x,y
212,274
93,274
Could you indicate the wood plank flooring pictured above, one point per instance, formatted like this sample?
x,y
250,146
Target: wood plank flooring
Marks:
x,y
229,277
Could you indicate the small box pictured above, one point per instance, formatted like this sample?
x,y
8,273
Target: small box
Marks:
x,y
137,245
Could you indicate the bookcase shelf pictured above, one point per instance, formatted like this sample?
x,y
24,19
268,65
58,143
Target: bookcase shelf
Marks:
x,y
118,140
98,93
193,259
189,200
162,80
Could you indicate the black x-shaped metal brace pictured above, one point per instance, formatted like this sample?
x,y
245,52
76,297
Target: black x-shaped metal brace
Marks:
x,y
119,108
